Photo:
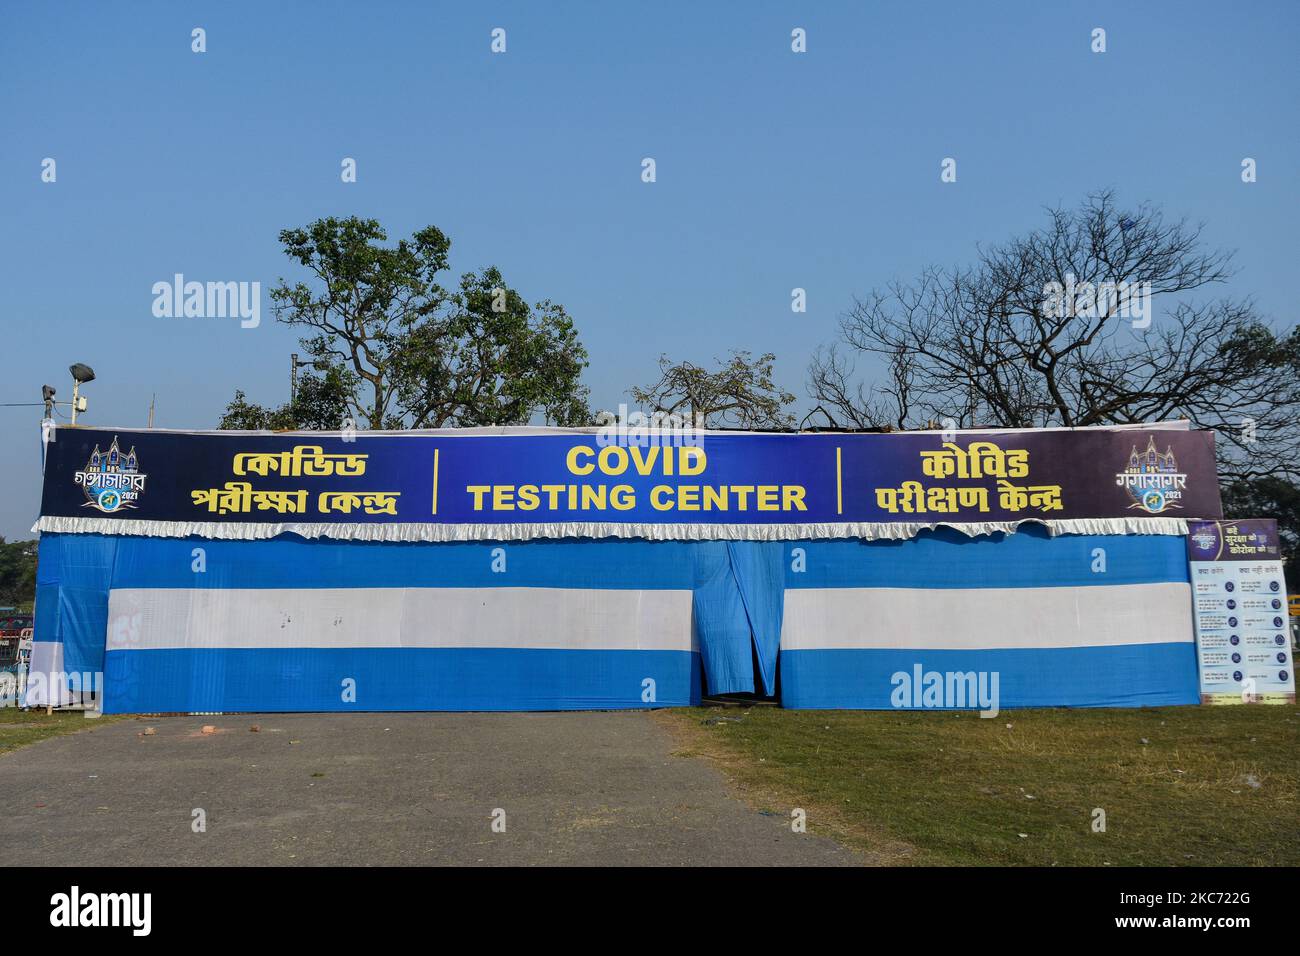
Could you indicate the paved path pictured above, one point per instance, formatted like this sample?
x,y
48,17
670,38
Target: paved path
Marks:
x,y
366,789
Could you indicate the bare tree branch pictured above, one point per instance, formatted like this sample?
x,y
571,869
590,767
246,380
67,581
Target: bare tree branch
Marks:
x,y
1065,326
740,393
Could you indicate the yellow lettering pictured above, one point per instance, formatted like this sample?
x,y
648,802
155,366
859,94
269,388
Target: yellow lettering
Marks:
x,y
571,460
612,452
644,462
691,460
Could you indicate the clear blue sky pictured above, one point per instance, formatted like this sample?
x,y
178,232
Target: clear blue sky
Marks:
x,y
775,170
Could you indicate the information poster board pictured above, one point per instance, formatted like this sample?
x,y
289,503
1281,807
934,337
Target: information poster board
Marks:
x,y
1243,642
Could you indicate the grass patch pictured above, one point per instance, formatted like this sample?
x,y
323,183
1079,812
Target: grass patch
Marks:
x,y
1180,786
18,728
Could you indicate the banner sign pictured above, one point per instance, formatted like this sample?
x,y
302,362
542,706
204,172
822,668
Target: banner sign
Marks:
x,y
1243,643
579,479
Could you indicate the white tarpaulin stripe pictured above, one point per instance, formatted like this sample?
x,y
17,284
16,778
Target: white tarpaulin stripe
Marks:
x,y
985,619
278,618
867,531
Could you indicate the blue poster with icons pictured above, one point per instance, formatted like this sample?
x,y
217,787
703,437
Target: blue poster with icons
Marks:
x,y
1243,643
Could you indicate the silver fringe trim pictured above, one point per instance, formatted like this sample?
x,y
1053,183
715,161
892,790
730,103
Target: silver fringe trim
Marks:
x,y
866,531
1179,425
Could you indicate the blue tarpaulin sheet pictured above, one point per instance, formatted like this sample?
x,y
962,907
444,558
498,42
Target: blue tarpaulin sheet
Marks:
x,y
292,624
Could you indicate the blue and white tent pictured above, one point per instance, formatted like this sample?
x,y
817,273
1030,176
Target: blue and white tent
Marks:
x,y
535,569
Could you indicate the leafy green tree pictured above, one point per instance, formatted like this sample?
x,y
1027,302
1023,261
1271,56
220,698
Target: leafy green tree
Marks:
x,y
491,359
1270,497
321,404
243,415
17,572
414,354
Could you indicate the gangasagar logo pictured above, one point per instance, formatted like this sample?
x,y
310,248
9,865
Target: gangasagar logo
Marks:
x,y
112,480
1152,479
1206,539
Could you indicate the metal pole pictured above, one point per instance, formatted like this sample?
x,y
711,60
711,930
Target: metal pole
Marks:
x,y
75,385
293,378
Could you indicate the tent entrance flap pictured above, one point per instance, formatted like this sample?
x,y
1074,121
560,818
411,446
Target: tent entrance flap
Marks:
x,y
739,600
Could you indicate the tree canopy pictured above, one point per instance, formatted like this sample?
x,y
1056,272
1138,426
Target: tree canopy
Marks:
x,y
1089,320
1100,317
320,403
17,572
399,350
738,393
